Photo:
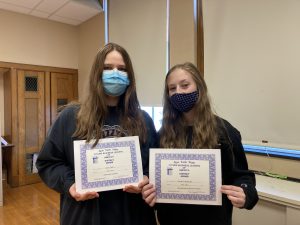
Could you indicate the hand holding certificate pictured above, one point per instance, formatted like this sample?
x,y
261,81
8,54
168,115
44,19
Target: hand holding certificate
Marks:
x,y
188,176
111,164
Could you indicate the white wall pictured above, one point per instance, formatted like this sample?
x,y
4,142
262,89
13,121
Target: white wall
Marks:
x,y
31,40
264,213
91,39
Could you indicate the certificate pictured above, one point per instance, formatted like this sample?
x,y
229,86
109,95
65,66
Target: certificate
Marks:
x,y
186,176
111,164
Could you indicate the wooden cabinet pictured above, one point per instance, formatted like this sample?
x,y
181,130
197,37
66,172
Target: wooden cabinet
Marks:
x,y
63,91
32,96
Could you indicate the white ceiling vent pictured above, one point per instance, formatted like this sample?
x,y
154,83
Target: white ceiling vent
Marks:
x,y
91,3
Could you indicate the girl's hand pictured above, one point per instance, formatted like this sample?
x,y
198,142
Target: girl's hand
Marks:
x,y
136,189
132,189
82,197
148,193
235,194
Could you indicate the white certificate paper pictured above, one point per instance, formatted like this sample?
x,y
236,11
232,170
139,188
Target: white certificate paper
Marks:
x,y
186,176
111,164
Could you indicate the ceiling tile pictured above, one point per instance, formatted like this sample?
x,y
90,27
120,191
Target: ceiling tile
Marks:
x,y
39,14
14,8
51,6
24,3
71,12
65,20
77,11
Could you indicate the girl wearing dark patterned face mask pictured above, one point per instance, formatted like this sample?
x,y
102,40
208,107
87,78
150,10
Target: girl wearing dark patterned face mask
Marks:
x,y
183,92
184,102
189,122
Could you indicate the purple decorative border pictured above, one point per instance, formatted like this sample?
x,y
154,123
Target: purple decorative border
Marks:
x,y
212,176
86,147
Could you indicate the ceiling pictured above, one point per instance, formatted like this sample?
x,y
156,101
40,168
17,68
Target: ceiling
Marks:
x,y
72,12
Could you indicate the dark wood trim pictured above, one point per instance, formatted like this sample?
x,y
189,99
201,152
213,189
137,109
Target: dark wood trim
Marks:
x,y
200,37
106,18
47,101
14,133
7,146
37,67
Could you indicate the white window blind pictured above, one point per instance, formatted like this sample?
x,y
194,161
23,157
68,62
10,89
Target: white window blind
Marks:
x,y
140,27
252,53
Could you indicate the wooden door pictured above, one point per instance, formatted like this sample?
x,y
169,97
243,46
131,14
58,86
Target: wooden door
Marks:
x,y
63,91
31,121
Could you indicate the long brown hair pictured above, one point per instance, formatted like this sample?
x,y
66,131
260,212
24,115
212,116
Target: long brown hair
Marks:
x,y
173,133
94,110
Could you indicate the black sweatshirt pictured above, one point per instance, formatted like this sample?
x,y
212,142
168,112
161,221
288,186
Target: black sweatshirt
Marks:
x,y
234,172
56,168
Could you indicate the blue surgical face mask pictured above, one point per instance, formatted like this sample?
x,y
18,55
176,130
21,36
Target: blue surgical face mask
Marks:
x,y
115,82
184,102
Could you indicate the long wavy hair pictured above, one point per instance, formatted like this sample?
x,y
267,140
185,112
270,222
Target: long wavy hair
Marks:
x,y
173,133
93,110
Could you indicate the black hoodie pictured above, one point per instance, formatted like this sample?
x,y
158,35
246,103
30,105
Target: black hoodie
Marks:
x,y
234,172
56,168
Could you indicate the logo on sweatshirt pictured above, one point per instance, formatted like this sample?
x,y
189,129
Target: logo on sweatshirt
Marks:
x,y
113,131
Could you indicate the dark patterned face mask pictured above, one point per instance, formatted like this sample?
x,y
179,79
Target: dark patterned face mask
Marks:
x,y
184,102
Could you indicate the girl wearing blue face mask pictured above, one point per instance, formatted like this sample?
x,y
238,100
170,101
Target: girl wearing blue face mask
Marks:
x,y
114,81
189,122
110,109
